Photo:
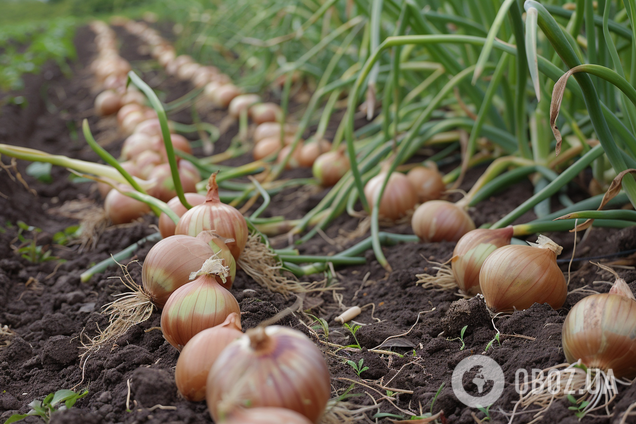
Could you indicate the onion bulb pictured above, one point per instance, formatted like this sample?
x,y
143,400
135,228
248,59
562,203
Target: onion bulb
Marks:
x,y
129,167
223,95
107,102
126,110
270,129
242,103
135,144
270,367
470,253
330,167
166,225
516,277
122,209
265,112
146,161
200,353
264,416
170,262
266,147
427,182
164,188
130,122
213,215
294,160
599,330
399,195
439,220
200,304
311,151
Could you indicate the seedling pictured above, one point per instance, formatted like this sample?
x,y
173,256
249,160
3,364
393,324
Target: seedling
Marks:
x,y
437,395
486,412
353,329
461,337
579,408
29,249
496,338
358,368
58,401
68,234
320,323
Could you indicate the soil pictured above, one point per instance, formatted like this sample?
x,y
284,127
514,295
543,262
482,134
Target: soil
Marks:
x,y
50,312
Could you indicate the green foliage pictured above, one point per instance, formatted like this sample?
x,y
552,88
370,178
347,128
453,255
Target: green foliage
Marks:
x,y
58,401
437,395
28,248
353,329
320,323
579,408
496,338
486,412
358,368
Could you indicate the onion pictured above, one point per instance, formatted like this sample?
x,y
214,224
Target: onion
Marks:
x,y
266,148
169,264
179,142
135,144
399,196
147,161
166,225
265,112
470,253
242,103
599,330
173,66
122,209
516,277
130,167
130,122
107,103
166,57
271,129
264,416
200,353
311,151
200,304
126,110
270,367
439,220
223,95
115,82
330,167
164,188
427,182
133,97
213,215
294,160
210,89
187,71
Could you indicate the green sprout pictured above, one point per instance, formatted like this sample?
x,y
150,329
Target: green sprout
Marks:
x,y
358,368
58,401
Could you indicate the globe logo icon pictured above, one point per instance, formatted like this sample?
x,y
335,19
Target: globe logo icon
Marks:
x,y
487,376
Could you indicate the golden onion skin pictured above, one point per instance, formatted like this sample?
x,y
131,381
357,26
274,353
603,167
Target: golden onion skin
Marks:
x,y
427,182
200,304
329,167
600,330
213,215
167,225
169,263
439,220
470,253
398,198
200,353
516,277
285,369
265,416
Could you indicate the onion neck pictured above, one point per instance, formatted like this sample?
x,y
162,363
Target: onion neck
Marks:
x,y
544,242
213,190
259,340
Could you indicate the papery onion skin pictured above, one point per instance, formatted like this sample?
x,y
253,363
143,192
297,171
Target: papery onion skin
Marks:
x,y
265,416
135,144
265,112
427,182
266,147
222,251
470,253
107,103
242,103
399,195
169,263
165,189
284,370
439,220
600,331
294,159
330,167
200,353
166,225
223,95
213,215
311,151
193,307
122,209
516,277
270,129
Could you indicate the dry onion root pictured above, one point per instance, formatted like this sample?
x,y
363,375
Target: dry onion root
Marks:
x,y
469,255
599,345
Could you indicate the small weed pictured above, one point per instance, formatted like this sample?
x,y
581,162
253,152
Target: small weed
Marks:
x,y
45,408
486,412
28,248
579,408
390,393
353,329
358,368
437,395
461,337
68,234
320,323
496,338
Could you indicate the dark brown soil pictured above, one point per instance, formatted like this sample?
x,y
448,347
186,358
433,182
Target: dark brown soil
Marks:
x,y
50,310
